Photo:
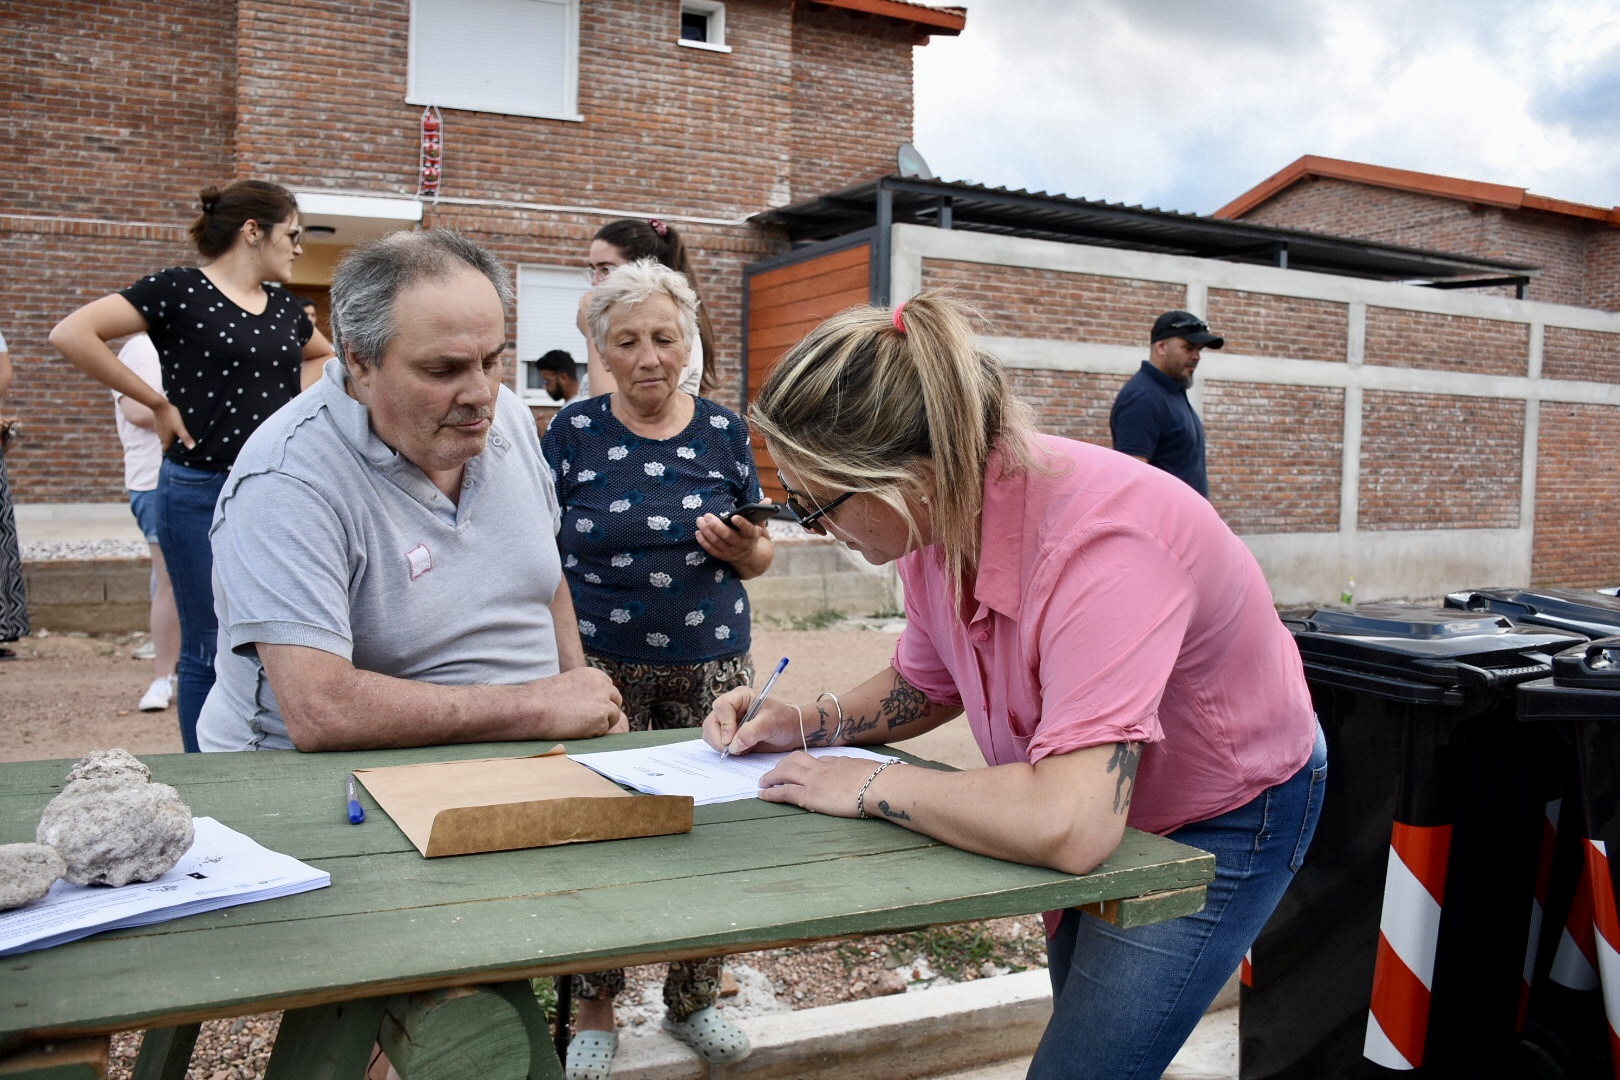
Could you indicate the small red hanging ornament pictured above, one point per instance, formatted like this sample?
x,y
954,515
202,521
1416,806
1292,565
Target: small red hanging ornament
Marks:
x,y
429,169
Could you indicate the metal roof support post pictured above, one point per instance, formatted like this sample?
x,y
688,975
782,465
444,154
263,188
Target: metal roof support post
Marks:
x,y
1282,254
882,245
945,206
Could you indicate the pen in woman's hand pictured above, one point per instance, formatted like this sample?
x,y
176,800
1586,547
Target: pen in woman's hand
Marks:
x,y
754,708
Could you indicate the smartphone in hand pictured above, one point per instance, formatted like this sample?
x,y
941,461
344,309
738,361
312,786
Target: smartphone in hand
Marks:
x,y
756,512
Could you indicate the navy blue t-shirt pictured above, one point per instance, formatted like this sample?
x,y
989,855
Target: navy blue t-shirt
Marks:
x,y
1153,419
644,591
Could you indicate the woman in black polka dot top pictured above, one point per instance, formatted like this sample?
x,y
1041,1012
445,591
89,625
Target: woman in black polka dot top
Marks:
x,y
235,347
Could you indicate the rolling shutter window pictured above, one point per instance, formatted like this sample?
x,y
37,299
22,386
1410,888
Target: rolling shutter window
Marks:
x,y
517,57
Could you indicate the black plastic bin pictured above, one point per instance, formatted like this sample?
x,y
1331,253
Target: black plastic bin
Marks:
x,y
1581,702
1588,612
1425,757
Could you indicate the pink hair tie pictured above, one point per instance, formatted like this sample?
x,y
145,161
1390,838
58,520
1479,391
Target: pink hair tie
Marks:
x,y
658,226
898,325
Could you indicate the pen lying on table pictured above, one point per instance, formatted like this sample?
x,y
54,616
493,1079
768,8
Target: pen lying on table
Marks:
x,y
754,708
357,813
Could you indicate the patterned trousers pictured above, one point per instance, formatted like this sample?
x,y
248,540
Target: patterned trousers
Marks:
x,y
663,697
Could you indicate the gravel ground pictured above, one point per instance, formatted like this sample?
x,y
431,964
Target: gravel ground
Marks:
x,y
779,980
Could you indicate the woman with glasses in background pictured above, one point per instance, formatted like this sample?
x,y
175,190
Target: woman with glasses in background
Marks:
x,y
232,352
647,476
629,240
1113,645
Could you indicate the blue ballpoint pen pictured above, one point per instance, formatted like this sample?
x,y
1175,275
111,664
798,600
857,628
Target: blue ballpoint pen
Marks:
x,y
357,813
754,708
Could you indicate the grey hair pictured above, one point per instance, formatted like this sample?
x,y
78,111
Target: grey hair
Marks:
x,y
369,279
634,282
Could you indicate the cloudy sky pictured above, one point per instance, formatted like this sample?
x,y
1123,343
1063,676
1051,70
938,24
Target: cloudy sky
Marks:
x,y
1185,104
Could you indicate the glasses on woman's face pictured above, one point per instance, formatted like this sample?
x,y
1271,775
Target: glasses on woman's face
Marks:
x,y
595,272
808,519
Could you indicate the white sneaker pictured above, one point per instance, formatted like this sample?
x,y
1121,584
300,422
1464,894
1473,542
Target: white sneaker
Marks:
x,y
157,696
147,650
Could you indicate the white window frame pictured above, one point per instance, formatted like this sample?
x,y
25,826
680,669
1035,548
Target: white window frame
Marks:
x,y
426,56
715,11
538,333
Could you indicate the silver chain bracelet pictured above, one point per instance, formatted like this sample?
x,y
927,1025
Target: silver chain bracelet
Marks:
x,y
860,799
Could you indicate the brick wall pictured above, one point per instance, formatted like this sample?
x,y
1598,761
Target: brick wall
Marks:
x,y
1579,260
851,97
1586,355
1257,324
1019,301
1074,406
1577,503
124,114
1274,455
1436,461
1435,342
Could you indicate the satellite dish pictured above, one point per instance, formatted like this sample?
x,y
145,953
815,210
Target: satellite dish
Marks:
x,y
911,163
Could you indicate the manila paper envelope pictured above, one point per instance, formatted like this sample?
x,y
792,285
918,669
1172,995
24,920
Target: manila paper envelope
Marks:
x,y
498,804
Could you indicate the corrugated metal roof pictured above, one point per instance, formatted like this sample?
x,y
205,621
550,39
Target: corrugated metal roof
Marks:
x,y
1042,216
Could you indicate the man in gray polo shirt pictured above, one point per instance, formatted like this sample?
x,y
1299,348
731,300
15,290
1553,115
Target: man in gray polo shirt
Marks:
x,y
386,568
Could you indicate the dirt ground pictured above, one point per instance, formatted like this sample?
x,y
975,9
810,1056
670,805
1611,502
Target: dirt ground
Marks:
x,y
67,694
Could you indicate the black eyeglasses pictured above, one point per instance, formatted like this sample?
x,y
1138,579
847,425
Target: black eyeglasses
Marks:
x,y
808,519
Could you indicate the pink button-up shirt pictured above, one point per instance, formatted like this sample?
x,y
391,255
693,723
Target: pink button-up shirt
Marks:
x,y
1112,604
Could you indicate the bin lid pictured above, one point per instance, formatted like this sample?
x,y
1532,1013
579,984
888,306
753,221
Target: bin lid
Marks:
x,y
1595,666
1587,612
1427,645
1584,687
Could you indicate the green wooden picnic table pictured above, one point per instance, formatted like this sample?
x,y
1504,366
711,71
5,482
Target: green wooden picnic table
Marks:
x,y
750,875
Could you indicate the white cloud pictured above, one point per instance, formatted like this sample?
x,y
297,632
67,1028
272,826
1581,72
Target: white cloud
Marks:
x,y
1185,105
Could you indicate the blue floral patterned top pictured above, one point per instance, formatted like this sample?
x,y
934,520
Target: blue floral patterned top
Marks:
x,y
644,591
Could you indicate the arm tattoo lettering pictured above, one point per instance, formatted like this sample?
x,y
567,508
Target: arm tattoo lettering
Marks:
x,y
1126,757
892,815
823,734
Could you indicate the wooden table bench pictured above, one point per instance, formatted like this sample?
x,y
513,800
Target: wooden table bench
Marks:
x,y
750,875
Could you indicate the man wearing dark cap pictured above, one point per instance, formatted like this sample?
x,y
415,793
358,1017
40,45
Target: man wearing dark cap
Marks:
x,y
1152,420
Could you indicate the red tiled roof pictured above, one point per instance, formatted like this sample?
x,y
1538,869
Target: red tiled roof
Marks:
x,y
1446,187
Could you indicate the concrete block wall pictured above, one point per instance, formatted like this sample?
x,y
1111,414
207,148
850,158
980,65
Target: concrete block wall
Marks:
x,y
1415,440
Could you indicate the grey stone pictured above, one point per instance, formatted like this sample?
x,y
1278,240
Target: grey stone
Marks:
x,y
112,831
27,872
109,764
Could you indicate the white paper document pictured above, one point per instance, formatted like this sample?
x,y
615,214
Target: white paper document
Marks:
x,y
694,768
221,868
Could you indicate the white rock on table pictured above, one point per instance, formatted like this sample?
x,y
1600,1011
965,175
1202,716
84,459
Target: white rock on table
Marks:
x,y
27,872
114,830
109,764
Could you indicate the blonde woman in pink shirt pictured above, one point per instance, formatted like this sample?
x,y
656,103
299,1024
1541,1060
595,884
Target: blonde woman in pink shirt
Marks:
x,y
1112,643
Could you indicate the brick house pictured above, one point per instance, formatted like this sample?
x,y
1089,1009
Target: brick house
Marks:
x,y
557,116
1576,247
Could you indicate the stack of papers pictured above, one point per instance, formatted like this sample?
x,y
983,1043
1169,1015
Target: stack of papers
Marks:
x,y
694,768
221,868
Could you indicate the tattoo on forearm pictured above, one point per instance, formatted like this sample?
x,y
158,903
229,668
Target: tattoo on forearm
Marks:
x,y
823,734
1126,757
891,814
904,705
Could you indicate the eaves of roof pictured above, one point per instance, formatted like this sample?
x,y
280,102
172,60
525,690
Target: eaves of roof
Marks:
x,y
1445,187
927,18
1064,219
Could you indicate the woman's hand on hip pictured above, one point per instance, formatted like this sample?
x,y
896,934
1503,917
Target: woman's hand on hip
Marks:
x,y
169,427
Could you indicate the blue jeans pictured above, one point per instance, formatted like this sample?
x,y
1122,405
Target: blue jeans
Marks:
x,y
186,500
1124,1001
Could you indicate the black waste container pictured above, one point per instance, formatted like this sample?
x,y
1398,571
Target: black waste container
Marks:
x,y
1400,945
1588,612
1580,931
